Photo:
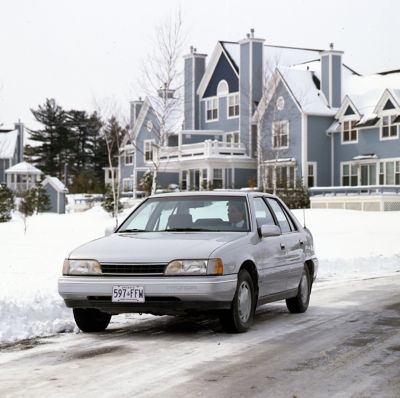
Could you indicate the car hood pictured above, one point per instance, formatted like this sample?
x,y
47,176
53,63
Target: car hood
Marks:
x,y
153,247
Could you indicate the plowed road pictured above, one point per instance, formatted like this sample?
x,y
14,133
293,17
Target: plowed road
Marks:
x,y
346,345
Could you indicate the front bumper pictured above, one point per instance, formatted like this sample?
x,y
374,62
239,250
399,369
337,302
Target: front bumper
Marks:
x,y
163,295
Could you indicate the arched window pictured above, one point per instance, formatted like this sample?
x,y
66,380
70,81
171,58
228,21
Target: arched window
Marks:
x,y
223,88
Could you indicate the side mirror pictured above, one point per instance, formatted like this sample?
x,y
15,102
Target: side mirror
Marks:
x,y
109,230
269,230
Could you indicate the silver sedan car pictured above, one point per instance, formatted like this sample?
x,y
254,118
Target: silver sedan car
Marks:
x,y
181,253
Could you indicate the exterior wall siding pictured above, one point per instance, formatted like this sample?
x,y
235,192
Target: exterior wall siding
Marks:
x,y
223,71
336,80
244,97
319,147
292,114
325,75
223,123
200,66
188,94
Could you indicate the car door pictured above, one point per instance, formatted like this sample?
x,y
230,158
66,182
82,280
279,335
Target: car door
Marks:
x,y
269,256
293,245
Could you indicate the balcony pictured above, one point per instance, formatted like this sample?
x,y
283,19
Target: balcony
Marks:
x,y
206,149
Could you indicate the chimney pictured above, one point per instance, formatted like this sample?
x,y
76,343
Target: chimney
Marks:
x,y
331,76
251,83
194,68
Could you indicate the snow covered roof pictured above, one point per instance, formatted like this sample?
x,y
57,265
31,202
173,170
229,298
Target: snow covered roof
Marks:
x,y
8,143
55,183
310,99
23,168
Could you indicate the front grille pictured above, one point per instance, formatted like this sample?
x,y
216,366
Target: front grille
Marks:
x,y
137,269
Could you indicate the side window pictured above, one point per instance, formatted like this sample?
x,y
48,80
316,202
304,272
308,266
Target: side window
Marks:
x,y
263,214
284,223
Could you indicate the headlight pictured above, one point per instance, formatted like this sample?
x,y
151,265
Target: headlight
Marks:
x,y
195,267
81,267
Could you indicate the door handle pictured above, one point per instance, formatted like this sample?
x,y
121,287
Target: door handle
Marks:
x,y
301,242
283,247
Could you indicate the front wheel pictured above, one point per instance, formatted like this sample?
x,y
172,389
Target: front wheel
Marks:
x,y
300,303
240,316
91,320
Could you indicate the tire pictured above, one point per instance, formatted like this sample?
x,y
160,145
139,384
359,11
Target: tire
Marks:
x,y
299,304
240,316
91,320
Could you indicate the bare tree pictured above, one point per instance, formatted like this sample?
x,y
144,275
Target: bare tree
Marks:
x,y
113,130
273,138
161,82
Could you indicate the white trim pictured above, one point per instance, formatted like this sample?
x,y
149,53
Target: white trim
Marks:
x,y
348,119
232,95
382,102
206,102
315,175
212,63
272,135
389,113
304,149
342,109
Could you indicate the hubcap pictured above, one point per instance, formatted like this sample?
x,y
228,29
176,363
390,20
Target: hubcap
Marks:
x,y
304,288
244,298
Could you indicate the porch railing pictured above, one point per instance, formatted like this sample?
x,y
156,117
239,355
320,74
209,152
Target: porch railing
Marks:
x,y
207,148
356,190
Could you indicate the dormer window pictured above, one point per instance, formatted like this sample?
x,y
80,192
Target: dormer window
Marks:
x,y
389,127
212,109
349,131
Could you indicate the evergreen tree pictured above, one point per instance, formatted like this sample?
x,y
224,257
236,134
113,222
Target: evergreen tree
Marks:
x,y
7,204
108,204
42,199
55,139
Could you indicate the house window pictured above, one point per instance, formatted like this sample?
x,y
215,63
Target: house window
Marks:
x,y
128,158
232,138
184,180
212,109
389,172
349,175
233,105
311,175
389,128
280,134
350,131
148,150
217,178
284,176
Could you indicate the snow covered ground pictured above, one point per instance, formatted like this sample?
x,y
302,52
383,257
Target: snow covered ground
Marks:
x,y
349,244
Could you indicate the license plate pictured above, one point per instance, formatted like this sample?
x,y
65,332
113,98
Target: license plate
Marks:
x,y
128,294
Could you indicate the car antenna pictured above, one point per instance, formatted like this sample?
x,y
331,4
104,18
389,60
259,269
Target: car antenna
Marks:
x,y
304,217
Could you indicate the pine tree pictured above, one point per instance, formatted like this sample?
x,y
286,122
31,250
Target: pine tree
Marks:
x,y
55,139
108,204
27,205
7,204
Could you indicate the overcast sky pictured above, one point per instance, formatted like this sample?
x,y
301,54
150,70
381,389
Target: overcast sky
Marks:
x,y
79,50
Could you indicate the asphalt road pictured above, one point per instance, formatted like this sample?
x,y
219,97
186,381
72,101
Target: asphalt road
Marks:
x,y
346,345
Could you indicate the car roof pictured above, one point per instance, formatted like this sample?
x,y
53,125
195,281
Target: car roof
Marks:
x,y
212,193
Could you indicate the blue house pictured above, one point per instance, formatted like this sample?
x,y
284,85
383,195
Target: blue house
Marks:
x,y
11,148
262,115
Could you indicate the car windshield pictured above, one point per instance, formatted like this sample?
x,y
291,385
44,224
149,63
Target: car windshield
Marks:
x,y
189,213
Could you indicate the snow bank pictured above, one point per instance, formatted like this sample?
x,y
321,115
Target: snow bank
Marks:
x,y
348,244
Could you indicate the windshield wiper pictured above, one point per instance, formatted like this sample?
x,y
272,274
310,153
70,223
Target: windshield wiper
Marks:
x,y
133,230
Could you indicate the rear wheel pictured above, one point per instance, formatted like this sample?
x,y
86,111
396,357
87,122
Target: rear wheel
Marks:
x,y
240,316
91,320
300,303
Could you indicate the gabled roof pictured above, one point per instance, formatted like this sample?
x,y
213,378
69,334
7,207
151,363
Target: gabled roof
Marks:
x,y
23,168
215,56
55,183
302,86
8,144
